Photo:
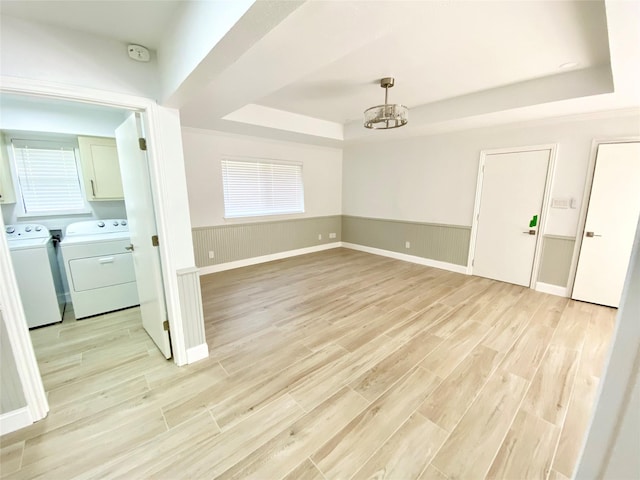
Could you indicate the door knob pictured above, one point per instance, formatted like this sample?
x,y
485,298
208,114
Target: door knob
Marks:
x,y
530,232
129,247
591,235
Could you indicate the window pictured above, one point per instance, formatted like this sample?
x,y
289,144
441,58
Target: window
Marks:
x,y
261,187
48,177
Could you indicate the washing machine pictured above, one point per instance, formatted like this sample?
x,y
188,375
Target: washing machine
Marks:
x,y
99,266
33,254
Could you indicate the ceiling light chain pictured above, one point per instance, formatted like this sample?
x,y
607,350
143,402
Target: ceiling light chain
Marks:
x,y
388,115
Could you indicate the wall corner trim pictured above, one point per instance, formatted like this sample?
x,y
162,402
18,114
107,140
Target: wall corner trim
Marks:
x,y
266,258
15,420
552,289
199,352
408,258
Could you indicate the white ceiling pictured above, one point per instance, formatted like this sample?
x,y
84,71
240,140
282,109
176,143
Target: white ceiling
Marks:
x,y
440,50
140,22
457,65
307,72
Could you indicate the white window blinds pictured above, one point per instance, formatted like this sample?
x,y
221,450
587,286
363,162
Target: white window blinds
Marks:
x,y
48,177
261,187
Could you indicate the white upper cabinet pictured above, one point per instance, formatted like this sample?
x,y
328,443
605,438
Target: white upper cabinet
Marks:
x,y
100,168
7,192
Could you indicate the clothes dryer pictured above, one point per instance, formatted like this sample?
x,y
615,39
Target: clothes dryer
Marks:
x,y
99,266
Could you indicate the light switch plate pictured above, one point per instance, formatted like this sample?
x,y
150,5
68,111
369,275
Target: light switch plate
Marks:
x,y
560,202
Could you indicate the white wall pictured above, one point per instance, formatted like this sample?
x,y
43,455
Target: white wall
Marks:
x,y
32,50
203,150
625,457
199,26
99,210
432,179
613,441
174,186
11,394
41,115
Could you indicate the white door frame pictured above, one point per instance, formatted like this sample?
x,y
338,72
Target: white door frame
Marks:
x,y
18,333
13,312
553,149
584,207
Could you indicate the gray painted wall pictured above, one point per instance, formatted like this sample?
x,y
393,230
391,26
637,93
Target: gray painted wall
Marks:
x,y
445,243
555,264
247,240
432,178
11,393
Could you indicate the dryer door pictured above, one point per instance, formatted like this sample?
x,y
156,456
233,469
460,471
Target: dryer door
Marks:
x,y
103,271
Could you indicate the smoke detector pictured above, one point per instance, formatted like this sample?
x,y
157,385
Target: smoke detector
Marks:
x,y
139,53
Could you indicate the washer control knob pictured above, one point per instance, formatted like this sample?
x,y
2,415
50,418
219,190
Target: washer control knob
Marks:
x,y
101,224
11,229
38,228
123,223
27,228
115,224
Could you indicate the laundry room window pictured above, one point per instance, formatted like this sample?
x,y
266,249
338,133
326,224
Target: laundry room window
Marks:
x,y
257,187
48,177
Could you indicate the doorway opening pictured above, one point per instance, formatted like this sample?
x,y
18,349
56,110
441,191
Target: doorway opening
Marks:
x,y
104,339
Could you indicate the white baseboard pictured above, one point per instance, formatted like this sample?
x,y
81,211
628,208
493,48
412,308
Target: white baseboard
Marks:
x,y
266,258
408,258
327,246
15,420
552,289
199,352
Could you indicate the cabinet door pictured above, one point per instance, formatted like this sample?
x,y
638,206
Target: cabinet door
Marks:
x,y
7,193
100,168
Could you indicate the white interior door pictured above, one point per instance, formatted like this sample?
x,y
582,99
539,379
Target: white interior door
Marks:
x,y
142,227
612,218
512,194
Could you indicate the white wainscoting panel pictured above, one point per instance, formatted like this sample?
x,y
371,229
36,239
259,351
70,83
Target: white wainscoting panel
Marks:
x,y
191,307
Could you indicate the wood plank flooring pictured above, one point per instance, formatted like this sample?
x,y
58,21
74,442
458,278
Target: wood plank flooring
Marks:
x,y
333,365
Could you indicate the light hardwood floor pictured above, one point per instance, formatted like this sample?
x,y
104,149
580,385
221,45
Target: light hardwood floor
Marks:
x,y
333,365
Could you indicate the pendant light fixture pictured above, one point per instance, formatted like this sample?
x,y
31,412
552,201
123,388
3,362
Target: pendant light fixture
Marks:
x,y
389,115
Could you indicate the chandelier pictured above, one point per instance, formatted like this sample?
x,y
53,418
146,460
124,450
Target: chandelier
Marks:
x,y
389,115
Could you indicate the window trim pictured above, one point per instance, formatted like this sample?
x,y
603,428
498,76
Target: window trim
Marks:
x,y
253,160
45,138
